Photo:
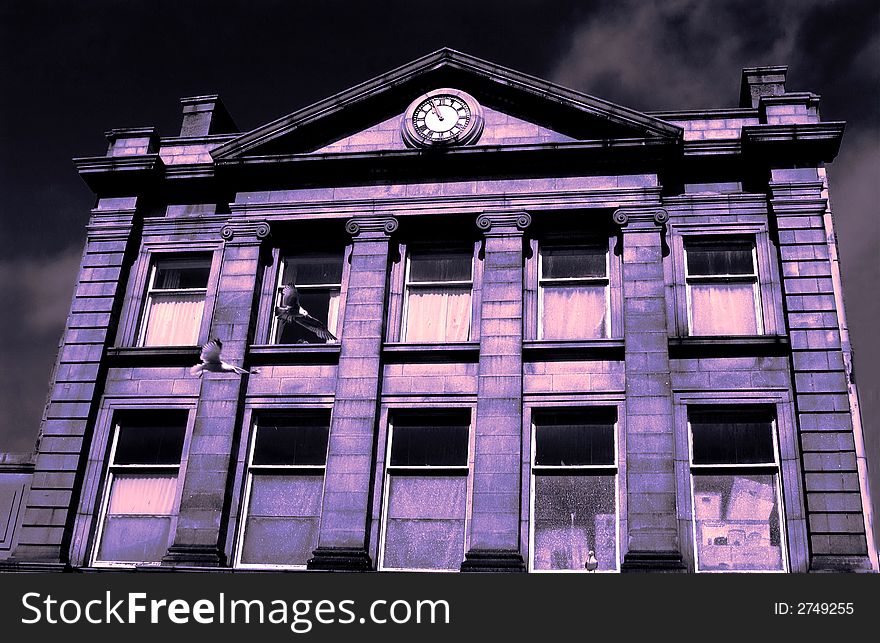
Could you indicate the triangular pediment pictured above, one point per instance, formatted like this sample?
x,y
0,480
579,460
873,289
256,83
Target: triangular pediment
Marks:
x,y
518,110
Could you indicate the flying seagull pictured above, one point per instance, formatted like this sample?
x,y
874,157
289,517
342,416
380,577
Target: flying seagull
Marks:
x,y
291,311
211,361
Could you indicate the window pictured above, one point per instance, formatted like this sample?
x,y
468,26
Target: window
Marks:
x,y
574,489
722,287
318,281
426,489
284,490
140,502
735,479
438,296
573,292
175,302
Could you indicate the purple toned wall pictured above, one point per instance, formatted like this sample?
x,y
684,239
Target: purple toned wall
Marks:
x,y
338,174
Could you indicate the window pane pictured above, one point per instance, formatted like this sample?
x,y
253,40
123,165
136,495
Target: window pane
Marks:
x,y
439,446
182,274
283,519
731,437
323,305
720,259
723,309
139,515
573,515
440,266
573,312
174,319
425,522
573,438
149,445
136,539
568,262
306,270
737,522
292,440
438,314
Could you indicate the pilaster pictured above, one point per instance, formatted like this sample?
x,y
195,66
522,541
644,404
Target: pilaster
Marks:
x,y
342,540
198,538
652,538
494,535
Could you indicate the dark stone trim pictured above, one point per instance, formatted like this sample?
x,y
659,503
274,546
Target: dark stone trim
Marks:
x,y
12,566
152,356
493,561
195,555
838,564
729,346
340,559
539,350
403,353
264,354
653,561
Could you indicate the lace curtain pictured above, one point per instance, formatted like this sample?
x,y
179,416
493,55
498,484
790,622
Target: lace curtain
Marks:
x,y
174,319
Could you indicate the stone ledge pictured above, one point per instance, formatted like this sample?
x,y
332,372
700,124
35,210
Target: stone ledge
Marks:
x,y
729,346
280,354
407,353
537,350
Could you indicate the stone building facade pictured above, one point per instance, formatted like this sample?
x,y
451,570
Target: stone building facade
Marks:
x,y
571,337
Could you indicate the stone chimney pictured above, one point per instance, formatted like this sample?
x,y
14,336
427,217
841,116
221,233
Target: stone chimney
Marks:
x,y
203,115
761,81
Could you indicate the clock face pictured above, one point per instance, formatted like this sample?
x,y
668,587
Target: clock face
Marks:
x,y
442,117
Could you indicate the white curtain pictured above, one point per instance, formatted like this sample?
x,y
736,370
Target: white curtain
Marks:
x,y
333,314
174,319
573,312
438,315
723,309
147,494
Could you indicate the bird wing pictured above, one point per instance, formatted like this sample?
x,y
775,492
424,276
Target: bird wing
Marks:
x,y
290,297
211,352
318,328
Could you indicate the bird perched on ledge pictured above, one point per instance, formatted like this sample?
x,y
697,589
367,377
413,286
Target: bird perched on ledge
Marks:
x,y
592,564
211,361
290,311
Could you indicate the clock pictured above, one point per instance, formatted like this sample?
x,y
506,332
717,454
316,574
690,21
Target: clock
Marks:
x,y
442,118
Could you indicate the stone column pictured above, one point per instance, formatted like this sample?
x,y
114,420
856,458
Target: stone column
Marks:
x,y
197,540
652,527
342,541
495,520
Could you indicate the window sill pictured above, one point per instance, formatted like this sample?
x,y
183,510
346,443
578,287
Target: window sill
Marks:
x,y
401,352
153,355
535,350
264,354
729,346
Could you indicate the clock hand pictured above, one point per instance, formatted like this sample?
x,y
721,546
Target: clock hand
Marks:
x,y
436,110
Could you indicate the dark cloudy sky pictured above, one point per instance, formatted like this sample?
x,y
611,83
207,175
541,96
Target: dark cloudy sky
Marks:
x,y
69,70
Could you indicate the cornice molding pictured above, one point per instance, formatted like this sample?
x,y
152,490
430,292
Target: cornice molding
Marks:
x,y
371,226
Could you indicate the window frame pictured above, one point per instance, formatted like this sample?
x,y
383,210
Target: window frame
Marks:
x,y
584,470
473,313
110,469
769,468
542,281
151,290
754,278
294,469
283,257
465,470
